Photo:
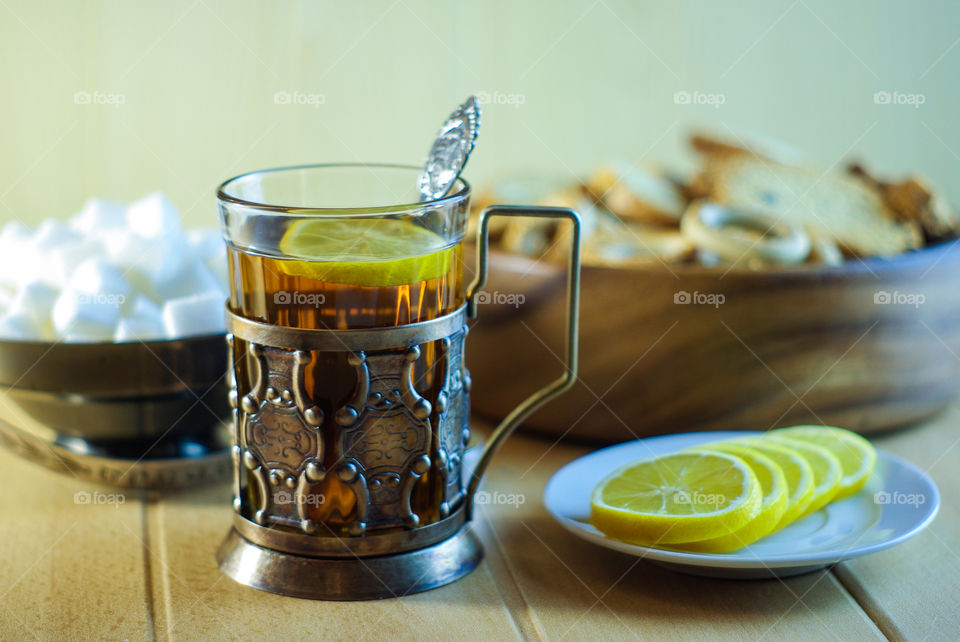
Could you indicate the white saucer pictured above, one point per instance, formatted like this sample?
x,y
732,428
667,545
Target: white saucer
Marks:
x,y
899,501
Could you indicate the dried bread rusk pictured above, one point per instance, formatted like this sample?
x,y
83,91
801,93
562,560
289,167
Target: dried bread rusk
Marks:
x,y
637,194
538,237
737,235
637,244
913,199
834,206
754,145
824,251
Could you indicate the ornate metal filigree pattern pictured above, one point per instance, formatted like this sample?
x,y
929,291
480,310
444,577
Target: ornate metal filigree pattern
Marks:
x,y
279,438
452,412
385,438
388,435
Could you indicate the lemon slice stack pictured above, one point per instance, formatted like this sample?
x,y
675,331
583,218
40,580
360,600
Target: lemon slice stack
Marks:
x,y
721,496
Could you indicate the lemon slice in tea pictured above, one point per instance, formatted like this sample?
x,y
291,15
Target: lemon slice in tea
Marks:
x,y
773,483
682,497
857,455
369,252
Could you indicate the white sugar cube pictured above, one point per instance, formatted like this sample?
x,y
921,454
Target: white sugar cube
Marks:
x,y
99,215
34,301
147,262
17,253
194,315
194,278
105,274
142,321
14,231
220,270
129,330
96,276
15,327
86,316
206,244
154,217
60,263
53,233
147,308
137,329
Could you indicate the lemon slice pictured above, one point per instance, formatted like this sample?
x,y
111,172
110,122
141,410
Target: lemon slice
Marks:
x,y
826,470
682,497
374,252
857,455
796,471
773,485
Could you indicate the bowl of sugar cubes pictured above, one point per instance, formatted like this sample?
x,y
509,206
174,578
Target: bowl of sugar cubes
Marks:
x,y
113,362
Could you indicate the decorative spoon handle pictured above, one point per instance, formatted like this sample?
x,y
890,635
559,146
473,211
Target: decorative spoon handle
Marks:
x,y
450,151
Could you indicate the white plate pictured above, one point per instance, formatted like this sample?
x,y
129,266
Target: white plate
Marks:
x,y
898,502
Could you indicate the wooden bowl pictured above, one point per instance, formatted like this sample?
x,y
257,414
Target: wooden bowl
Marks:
x,y
870,345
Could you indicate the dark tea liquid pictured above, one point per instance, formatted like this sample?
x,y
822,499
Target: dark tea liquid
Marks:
x,y
264,290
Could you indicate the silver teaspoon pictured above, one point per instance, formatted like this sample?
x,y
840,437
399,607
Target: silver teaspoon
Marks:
x,y
450,151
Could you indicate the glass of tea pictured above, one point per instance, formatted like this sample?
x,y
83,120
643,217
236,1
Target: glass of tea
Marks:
x,y
348,319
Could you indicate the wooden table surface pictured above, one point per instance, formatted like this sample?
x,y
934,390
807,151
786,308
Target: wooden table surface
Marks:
x,y
145,569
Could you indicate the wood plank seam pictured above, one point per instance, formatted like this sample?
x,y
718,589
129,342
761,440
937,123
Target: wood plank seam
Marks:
x,y
145,501
517,605
868,606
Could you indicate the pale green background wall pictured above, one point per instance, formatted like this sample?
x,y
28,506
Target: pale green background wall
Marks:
x,y
597,79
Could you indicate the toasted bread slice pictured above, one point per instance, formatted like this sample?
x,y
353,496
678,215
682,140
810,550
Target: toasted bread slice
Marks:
x,y
830,205
637,194
913,199
713,148
541,237
637,244
825,251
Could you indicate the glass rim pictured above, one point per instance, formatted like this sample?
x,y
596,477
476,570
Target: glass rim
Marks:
x,y
344,212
